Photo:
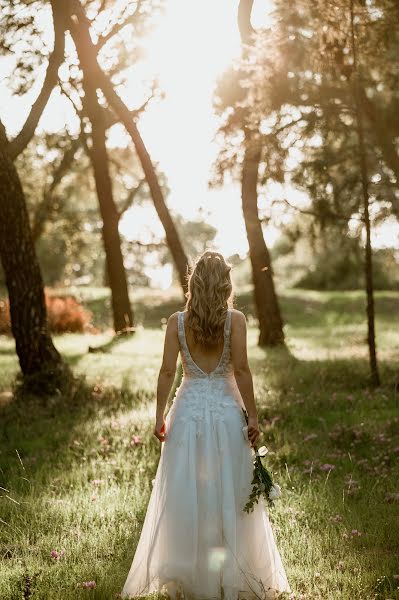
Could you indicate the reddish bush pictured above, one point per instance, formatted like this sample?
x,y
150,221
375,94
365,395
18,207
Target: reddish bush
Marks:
x,y
5,325
65,314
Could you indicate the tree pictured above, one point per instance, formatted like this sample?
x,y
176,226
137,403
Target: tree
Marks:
x,y
12,25
121,308
232,92
35,349
326,89
375,377
80,30
34,346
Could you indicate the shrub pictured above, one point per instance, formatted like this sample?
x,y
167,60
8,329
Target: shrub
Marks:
x,y
64,313
5,325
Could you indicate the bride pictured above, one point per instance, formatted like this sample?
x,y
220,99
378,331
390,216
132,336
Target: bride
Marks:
x,y
197,542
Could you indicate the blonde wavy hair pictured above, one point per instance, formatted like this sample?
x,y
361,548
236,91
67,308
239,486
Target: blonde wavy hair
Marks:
x,y
210,294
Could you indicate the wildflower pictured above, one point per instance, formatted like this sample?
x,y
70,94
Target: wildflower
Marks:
x,y
311,436
262,451
89,584
54,554
327,467
97,482
355,533
136,439
275,492
336,519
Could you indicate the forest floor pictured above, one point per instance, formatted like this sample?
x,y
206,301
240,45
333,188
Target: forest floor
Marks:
x,y
76,471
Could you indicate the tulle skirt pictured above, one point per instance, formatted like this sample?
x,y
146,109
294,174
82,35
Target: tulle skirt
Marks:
x,y
196,541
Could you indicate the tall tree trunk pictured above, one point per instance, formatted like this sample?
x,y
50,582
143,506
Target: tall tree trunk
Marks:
x,y
375,377
34,345
267,307
266,302
79,28
121,308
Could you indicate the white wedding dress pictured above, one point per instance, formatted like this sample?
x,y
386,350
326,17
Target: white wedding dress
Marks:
x,y
196,540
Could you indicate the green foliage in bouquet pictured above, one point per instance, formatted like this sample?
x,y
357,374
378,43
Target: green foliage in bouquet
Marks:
x,y
262,482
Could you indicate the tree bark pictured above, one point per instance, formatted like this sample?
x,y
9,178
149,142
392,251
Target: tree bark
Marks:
x,y
34,345
244,20
121,308
368,263
19,143
79,28
267,307
266,302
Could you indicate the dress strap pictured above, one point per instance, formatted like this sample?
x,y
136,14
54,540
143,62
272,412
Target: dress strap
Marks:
x,y
227,325
180,328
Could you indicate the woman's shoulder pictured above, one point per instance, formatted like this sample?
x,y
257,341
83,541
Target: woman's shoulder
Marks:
x,y
237,316
172,320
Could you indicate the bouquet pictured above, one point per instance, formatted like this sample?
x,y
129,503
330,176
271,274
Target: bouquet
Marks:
x,y
262,482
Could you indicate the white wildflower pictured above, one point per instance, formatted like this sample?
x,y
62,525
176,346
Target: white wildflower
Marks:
x,y
275,492
262,451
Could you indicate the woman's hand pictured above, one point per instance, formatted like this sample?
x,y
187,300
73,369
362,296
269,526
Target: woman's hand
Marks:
x,y
159,429
253,429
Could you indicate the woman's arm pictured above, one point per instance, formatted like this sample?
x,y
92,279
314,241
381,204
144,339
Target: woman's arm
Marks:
x,y
166,374
242,371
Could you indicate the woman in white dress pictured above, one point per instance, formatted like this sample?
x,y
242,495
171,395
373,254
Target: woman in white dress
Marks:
x,y
197,542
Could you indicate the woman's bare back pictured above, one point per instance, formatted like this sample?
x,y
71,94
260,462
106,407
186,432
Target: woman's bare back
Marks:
x,y
208,358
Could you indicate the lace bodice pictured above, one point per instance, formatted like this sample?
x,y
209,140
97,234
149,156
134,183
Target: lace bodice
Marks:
x,y
190,368
200,394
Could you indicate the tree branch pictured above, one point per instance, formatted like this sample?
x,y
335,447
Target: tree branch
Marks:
x,y
244,20
318,215
19,143
130,198
119,25
46,206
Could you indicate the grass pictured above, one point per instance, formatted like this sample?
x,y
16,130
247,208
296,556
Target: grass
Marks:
x,y
76,471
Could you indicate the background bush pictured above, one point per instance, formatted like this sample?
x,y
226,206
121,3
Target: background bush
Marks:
x,y
65,314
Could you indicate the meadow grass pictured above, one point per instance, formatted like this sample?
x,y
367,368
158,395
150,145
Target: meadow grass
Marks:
x,y
76,471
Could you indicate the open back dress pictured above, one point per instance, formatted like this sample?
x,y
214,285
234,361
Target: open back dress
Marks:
x,y
197,542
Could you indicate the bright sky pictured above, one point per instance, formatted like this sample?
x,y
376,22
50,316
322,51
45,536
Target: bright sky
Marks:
x,y
192,44
191,47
